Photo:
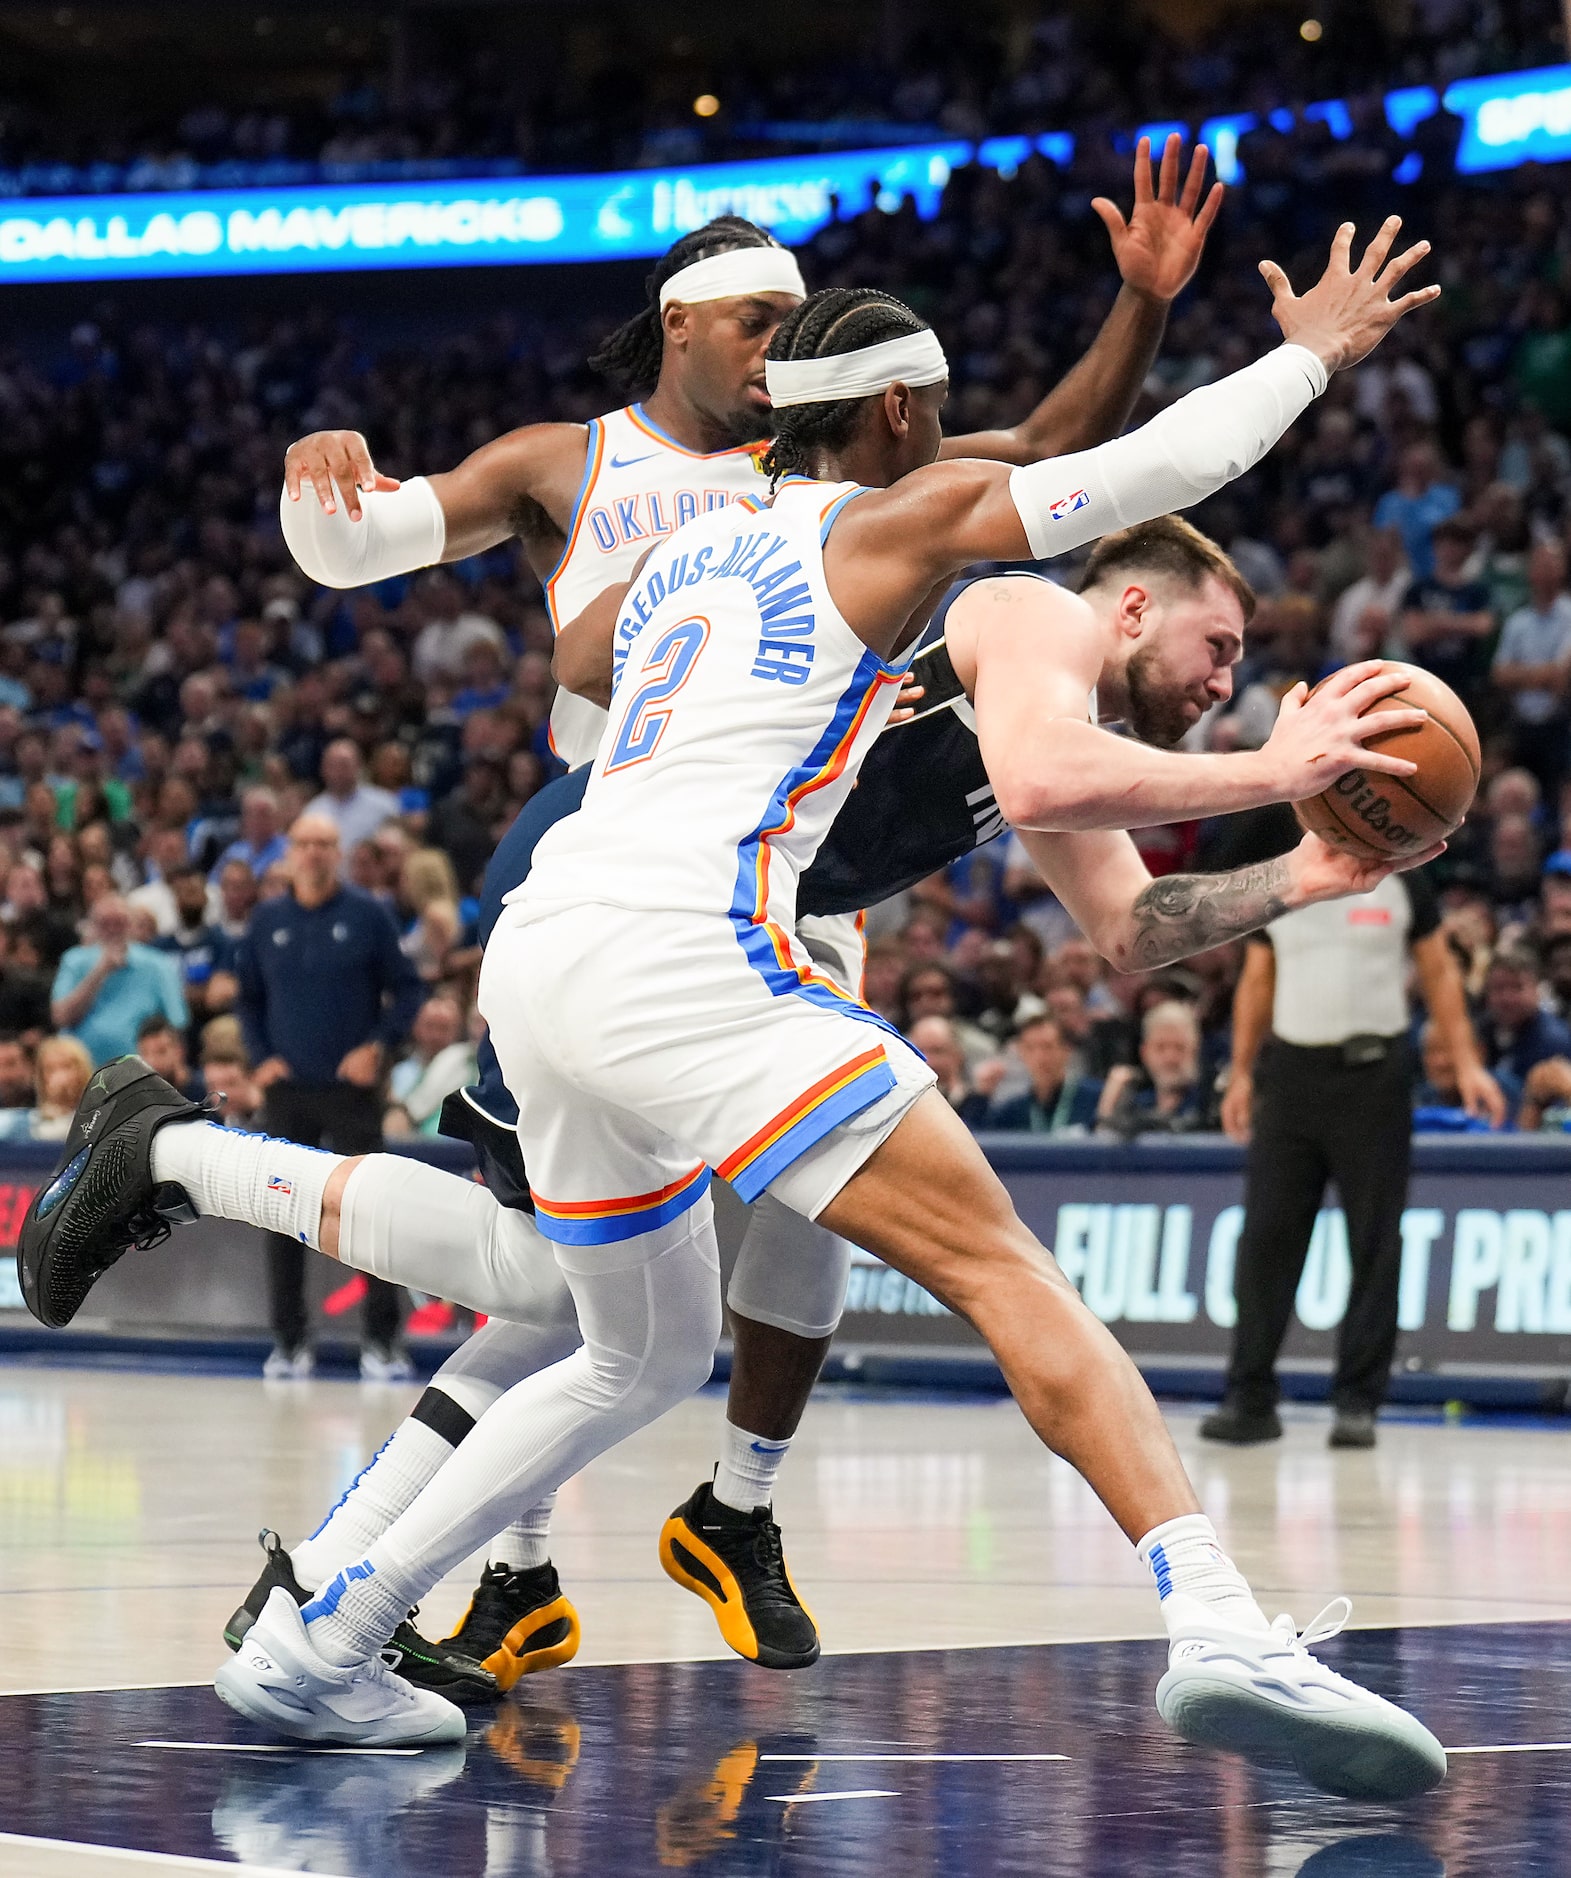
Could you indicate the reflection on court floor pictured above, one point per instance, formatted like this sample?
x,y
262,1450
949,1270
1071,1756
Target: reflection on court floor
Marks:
x,y
1045,1760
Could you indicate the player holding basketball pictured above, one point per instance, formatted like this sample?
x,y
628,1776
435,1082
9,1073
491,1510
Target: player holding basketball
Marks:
x,y
671,1023
586,502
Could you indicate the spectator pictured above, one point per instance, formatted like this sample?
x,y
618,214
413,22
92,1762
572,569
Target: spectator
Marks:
x,y
967,1096
105,988
1438,1102
1531,664
165,853
261,840
325,996
1364,621
429,891
1546,1099
1057,1102
1166,1093
355,807
226,1071
62,1070
928,990
463,824
1421,500
16,1073
1518,1031
1446,621
24,983
440,1060
162,1047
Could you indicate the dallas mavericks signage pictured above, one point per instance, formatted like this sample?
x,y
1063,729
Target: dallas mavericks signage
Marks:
x,y
1520,117
1149,1234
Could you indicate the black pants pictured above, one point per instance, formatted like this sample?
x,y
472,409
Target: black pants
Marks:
x,y
346,1120
1316,1118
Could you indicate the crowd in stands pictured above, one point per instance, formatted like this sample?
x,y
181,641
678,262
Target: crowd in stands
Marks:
x,y
173,692
458,98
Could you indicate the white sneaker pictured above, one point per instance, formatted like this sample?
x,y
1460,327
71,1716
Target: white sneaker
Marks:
x,y
289,1365
1267,1698
385,1365
280,1679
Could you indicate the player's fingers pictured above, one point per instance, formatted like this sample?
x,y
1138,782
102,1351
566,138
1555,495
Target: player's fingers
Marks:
x,y
1380,763
1194,182
1404,263
1407,862
346,473
385,483
1292,700
1342,249
1110,215
1380,247
1341,682
1167,181
292,477
1382,723
1210,210
1421,296
364,469
315,466
1281,287
1143,170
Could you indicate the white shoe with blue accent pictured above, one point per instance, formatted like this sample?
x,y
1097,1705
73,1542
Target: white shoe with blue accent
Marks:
x,y
1267,1698
279,1679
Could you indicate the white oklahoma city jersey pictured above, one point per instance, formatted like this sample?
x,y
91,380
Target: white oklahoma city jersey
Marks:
x,y
639,487
743,705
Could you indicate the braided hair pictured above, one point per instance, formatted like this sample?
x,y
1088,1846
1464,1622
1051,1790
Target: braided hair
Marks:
x,y
630,358
840,319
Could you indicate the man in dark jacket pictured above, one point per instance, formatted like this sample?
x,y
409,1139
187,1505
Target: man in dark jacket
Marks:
x,y
1057,1100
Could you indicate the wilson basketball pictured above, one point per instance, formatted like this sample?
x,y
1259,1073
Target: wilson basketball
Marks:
x,y
1366,813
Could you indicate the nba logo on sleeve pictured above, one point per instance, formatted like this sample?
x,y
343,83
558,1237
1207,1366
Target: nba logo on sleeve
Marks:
x,y
277,1184
1066,505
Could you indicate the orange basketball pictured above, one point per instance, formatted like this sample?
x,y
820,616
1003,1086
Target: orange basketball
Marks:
x,y
1367,813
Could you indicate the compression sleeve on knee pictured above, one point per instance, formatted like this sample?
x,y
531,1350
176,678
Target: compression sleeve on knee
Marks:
x,y
399,530
789,1273
1184,454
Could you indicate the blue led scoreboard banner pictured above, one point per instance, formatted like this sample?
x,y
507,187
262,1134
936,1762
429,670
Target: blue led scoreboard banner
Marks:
x,y
1507,120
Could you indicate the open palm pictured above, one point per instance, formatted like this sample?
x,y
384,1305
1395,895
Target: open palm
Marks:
x,y
1159,247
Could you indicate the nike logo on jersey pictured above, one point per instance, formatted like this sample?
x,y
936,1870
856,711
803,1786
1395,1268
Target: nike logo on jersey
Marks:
x,y
627,462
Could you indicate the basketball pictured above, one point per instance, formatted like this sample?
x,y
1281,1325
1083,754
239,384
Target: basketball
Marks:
x,y
1369,814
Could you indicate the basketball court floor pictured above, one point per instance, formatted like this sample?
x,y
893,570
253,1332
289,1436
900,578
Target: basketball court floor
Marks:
x,y
984,1706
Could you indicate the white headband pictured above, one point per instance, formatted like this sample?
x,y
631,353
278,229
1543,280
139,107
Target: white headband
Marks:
x,y
739,271
913,359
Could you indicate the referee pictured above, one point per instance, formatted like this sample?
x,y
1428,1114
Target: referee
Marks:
x,y
325,995
1321,1088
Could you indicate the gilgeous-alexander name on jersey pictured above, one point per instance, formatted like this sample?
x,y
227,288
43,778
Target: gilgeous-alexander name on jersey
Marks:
x,y
639,487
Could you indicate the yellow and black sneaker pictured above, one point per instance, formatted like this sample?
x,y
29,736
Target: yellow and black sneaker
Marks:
x,y
427,1665
518,1622
736,1563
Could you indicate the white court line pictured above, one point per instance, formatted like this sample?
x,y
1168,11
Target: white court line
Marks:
x,y
810,1799
247,1747
1519,1747
168,1861
936,1757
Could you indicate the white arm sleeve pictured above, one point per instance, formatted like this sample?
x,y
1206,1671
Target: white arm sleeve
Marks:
x,y
399,530
1183,455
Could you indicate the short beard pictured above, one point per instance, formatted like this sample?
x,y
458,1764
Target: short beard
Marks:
x,y
1156,714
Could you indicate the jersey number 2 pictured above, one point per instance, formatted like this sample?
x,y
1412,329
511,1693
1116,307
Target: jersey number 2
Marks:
x,y
643,723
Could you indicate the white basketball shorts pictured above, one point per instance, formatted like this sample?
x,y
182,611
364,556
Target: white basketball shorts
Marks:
x,y
645,1050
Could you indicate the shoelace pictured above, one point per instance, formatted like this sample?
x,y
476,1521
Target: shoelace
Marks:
x,y
769,1548
1329,1623
382,1669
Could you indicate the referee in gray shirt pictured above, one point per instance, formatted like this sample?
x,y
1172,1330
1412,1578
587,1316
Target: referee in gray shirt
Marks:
x,y
1321,1088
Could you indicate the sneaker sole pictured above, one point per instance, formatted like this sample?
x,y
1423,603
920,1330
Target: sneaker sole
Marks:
x,y
1362,1756
687,1561
234,1687
519,1654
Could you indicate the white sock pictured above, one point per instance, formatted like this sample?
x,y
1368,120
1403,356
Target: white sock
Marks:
x,y
650,1312
409,1458
527,1542
1191,1569
256,1178
745,1477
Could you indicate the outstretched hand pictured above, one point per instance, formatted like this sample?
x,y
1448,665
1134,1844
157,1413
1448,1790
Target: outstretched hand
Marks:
x,y
327,457
1159,247
1349,310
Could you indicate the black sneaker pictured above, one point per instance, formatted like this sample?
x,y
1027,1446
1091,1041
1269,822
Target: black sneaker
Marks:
x,y
517,1623
103,1199
735,1562
427,1665
1240,1427
1352,1428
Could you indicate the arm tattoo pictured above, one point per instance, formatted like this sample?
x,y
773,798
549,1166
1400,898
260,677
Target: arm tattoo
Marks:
x,y
1184,913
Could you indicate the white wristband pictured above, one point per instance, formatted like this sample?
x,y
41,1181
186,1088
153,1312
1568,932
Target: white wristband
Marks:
x,y
1185,454
399,530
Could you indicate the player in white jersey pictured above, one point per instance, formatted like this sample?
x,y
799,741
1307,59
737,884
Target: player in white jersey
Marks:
x,y
587,502
672,1022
